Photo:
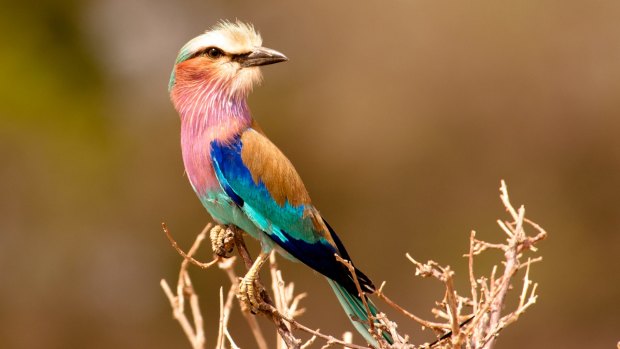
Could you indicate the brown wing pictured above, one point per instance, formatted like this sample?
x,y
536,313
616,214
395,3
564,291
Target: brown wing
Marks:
x,y
268,164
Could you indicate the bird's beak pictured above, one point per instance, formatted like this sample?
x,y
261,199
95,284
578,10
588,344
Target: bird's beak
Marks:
x,y
260,56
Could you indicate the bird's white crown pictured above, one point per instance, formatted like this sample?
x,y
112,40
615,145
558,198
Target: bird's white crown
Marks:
x,y
232,38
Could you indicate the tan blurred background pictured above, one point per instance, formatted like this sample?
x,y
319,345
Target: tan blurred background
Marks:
x,y
401,116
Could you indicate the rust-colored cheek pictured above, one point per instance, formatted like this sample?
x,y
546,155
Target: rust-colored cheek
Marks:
x,y
193,70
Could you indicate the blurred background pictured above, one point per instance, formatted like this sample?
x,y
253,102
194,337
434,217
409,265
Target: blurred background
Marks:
x,y
402,116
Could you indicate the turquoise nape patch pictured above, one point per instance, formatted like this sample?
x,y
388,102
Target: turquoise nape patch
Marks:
x,y
172,79
184,55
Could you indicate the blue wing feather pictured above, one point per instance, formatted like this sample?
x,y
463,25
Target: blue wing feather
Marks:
x,y
286,225
236,180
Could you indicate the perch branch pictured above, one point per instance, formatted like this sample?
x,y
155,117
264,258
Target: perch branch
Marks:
x,y
471,322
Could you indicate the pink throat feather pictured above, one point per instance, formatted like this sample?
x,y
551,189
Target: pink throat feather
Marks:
x,y
210,109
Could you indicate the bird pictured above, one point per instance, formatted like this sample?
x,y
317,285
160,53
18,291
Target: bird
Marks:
x,y
242,178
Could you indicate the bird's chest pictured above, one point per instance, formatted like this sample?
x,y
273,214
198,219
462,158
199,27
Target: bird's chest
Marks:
x,y
196,142
201,175
198,164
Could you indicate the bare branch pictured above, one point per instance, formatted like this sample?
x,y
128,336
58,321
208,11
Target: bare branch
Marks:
x,y
467,322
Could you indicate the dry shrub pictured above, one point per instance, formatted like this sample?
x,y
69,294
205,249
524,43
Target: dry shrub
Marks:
x,y
472,321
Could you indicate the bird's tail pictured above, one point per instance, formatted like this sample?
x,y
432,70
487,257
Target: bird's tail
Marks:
x,y
356,311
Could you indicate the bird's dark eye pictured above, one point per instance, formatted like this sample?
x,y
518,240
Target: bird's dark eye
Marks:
x,y
214,52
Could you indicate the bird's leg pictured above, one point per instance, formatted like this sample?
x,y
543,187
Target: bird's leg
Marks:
x,y
222,240
249,289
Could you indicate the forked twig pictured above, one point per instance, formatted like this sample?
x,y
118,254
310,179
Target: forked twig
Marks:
x,y
194,333
188,256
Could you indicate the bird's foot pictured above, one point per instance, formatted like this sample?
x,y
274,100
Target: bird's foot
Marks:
x,y
249,295
222,240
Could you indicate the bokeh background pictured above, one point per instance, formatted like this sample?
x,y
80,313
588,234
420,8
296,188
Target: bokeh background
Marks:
x,y
402,116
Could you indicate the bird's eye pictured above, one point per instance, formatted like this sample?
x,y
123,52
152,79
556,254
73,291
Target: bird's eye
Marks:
x,y
214,52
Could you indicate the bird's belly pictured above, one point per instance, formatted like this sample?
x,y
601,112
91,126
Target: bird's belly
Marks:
x,y
225,211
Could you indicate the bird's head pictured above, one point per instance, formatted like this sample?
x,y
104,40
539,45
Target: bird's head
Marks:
x,y
228,57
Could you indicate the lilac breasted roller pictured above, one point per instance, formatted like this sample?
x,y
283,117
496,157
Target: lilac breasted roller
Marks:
x,y
240,176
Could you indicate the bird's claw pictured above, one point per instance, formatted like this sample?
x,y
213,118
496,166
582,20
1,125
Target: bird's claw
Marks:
x,y
249,295
222,240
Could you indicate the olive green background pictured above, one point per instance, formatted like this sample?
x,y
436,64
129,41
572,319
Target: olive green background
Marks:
x,y
401,116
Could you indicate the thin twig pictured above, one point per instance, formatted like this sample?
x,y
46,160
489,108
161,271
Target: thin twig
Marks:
x,y
439,327
451,298
328,338
188,256
220,331
179,316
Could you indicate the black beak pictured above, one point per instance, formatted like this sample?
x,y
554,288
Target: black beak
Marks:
x,y
259,56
